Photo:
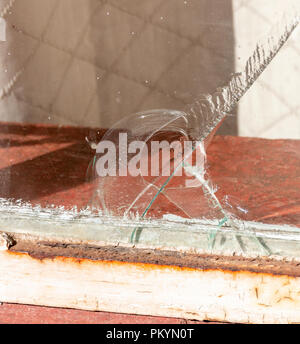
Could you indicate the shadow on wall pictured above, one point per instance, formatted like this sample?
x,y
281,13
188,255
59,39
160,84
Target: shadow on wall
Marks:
x,y
91,62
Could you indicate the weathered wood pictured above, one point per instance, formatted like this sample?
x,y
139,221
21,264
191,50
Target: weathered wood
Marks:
x,y
210,288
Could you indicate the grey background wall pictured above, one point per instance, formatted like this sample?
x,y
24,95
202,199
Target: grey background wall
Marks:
x,y
92,62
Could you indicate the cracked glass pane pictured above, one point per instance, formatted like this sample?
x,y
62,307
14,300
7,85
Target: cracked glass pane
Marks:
x,y
162,123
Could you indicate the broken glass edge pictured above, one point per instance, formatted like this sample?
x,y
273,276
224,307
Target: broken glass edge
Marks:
x,y
172,233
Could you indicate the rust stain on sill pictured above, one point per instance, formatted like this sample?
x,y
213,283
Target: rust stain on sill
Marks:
x,y
233,271
148,259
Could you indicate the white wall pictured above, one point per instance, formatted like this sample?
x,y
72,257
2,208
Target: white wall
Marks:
x,y
271,109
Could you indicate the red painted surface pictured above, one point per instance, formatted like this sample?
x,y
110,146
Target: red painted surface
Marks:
x,y
49,165
263,175
24,314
